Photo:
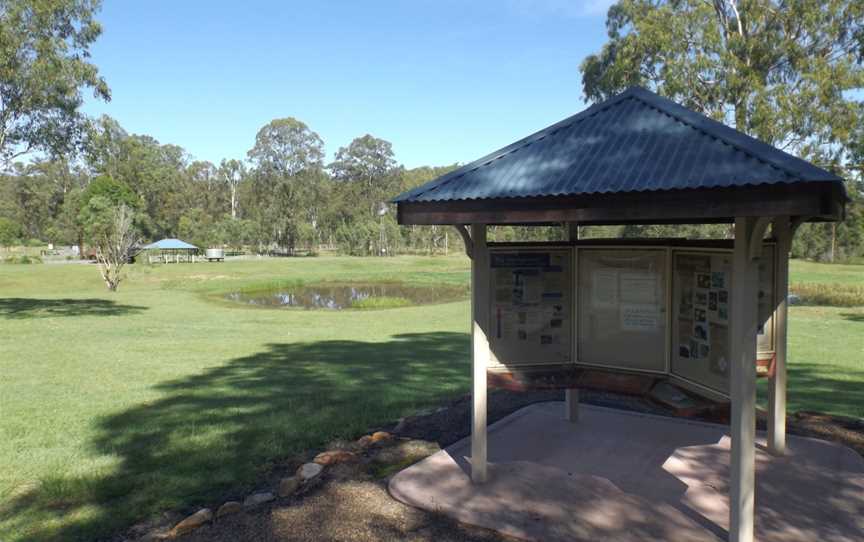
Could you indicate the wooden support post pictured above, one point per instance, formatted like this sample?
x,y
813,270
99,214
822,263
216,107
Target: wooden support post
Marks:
x,y
571,395
479,349
782,230
743,327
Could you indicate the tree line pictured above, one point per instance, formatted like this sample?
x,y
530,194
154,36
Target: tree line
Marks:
x,y
283,198
790,74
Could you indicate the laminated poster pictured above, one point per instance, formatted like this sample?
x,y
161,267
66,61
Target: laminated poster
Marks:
x,y
639,287
530,310
640,317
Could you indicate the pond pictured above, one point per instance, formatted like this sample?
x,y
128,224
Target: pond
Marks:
x,y
349,296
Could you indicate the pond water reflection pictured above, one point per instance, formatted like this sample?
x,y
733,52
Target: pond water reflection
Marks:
x,y
349,296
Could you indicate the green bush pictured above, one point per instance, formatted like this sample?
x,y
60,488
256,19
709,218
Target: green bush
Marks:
x,y
832,295
24,259
10,232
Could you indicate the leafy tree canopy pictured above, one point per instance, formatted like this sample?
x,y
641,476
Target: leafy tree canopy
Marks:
x,y
783,71
115,192
286,147
44,67
10,232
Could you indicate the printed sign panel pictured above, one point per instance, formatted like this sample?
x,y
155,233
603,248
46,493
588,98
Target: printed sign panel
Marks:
x,y
531,304
622,308
702,294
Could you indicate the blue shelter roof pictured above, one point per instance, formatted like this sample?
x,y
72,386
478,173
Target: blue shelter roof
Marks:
x,y
634,142
165,244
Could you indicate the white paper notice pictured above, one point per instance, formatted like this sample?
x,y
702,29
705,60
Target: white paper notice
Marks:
x,y
639,287
604,288
639,317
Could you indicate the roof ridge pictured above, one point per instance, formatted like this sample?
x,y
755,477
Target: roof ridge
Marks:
x,y
696,121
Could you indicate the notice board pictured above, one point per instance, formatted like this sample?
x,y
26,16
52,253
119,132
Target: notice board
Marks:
x,y
702,294
531,297
622,308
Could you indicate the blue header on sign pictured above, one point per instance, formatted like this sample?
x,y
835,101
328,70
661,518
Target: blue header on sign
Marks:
x,y
519,259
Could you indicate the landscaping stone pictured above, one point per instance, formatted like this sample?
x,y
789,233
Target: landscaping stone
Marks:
x,y
258,498
287,486
364,442
379,436
309,471
332,457
230,507
199,518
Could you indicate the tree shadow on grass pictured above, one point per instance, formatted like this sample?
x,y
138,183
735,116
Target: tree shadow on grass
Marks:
x,y
210,434
25,307
811,390
853,316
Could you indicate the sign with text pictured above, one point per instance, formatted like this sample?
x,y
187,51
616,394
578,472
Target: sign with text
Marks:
x,y
530,309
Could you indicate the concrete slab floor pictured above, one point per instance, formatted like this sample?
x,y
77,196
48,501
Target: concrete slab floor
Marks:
x,y
617,475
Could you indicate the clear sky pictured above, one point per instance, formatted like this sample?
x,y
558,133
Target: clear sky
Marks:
x,y
444,81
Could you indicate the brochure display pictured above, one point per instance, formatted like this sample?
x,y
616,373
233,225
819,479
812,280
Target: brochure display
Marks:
x,y
622,308
531,297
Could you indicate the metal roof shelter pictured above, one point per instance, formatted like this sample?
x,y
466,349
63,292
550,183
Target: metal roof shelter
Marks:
x,y
170,244
638,158
171,250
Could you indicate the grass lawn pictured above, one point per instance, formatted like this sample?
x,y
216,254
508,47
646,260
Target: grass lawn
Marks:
x,y
116,407
804,271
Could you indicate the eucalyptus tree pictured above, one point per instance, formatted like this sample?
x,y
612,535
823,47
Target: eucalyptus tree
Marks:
x,y
288,171
232,173
781,71
367,176
44,70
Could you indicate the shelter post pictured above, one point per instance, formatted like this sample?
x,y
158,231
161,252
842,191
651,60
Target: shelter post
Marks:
x,y
571,395
745,279
479,349
782,230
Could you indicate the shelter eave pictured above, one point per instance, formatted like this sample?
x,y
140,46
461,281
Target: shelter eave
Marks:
x,y
813,201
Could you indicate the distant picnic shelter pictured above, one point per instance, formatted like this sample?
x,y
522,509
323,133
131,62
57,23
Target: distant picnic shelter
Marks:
x,y
171,250
701,312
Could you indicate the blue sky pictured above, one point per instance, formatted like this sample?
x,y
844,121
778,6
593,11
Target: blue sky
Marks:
x,y
444,81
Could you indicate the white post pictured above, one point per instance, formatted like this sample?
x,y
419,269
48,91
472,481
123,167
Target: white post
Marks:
x,y
479,349
777,385
743,326
571,395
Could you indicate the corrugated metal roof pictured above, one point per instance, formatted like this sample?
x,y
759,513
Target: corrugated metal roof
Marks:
x,y
634,142
167,244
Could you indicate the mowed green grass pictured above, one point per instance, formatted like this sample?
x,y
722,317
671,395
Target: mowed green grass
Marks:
x,y
115,407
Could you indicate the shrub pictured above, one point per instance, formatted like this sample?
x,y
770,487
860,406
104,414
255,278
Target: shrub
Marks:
x,y
25,260
832,295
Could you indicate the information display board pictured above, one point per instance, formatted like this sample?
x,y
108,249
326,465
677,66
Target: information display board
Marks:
x,y
530,306
702,283
622,308
702,293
